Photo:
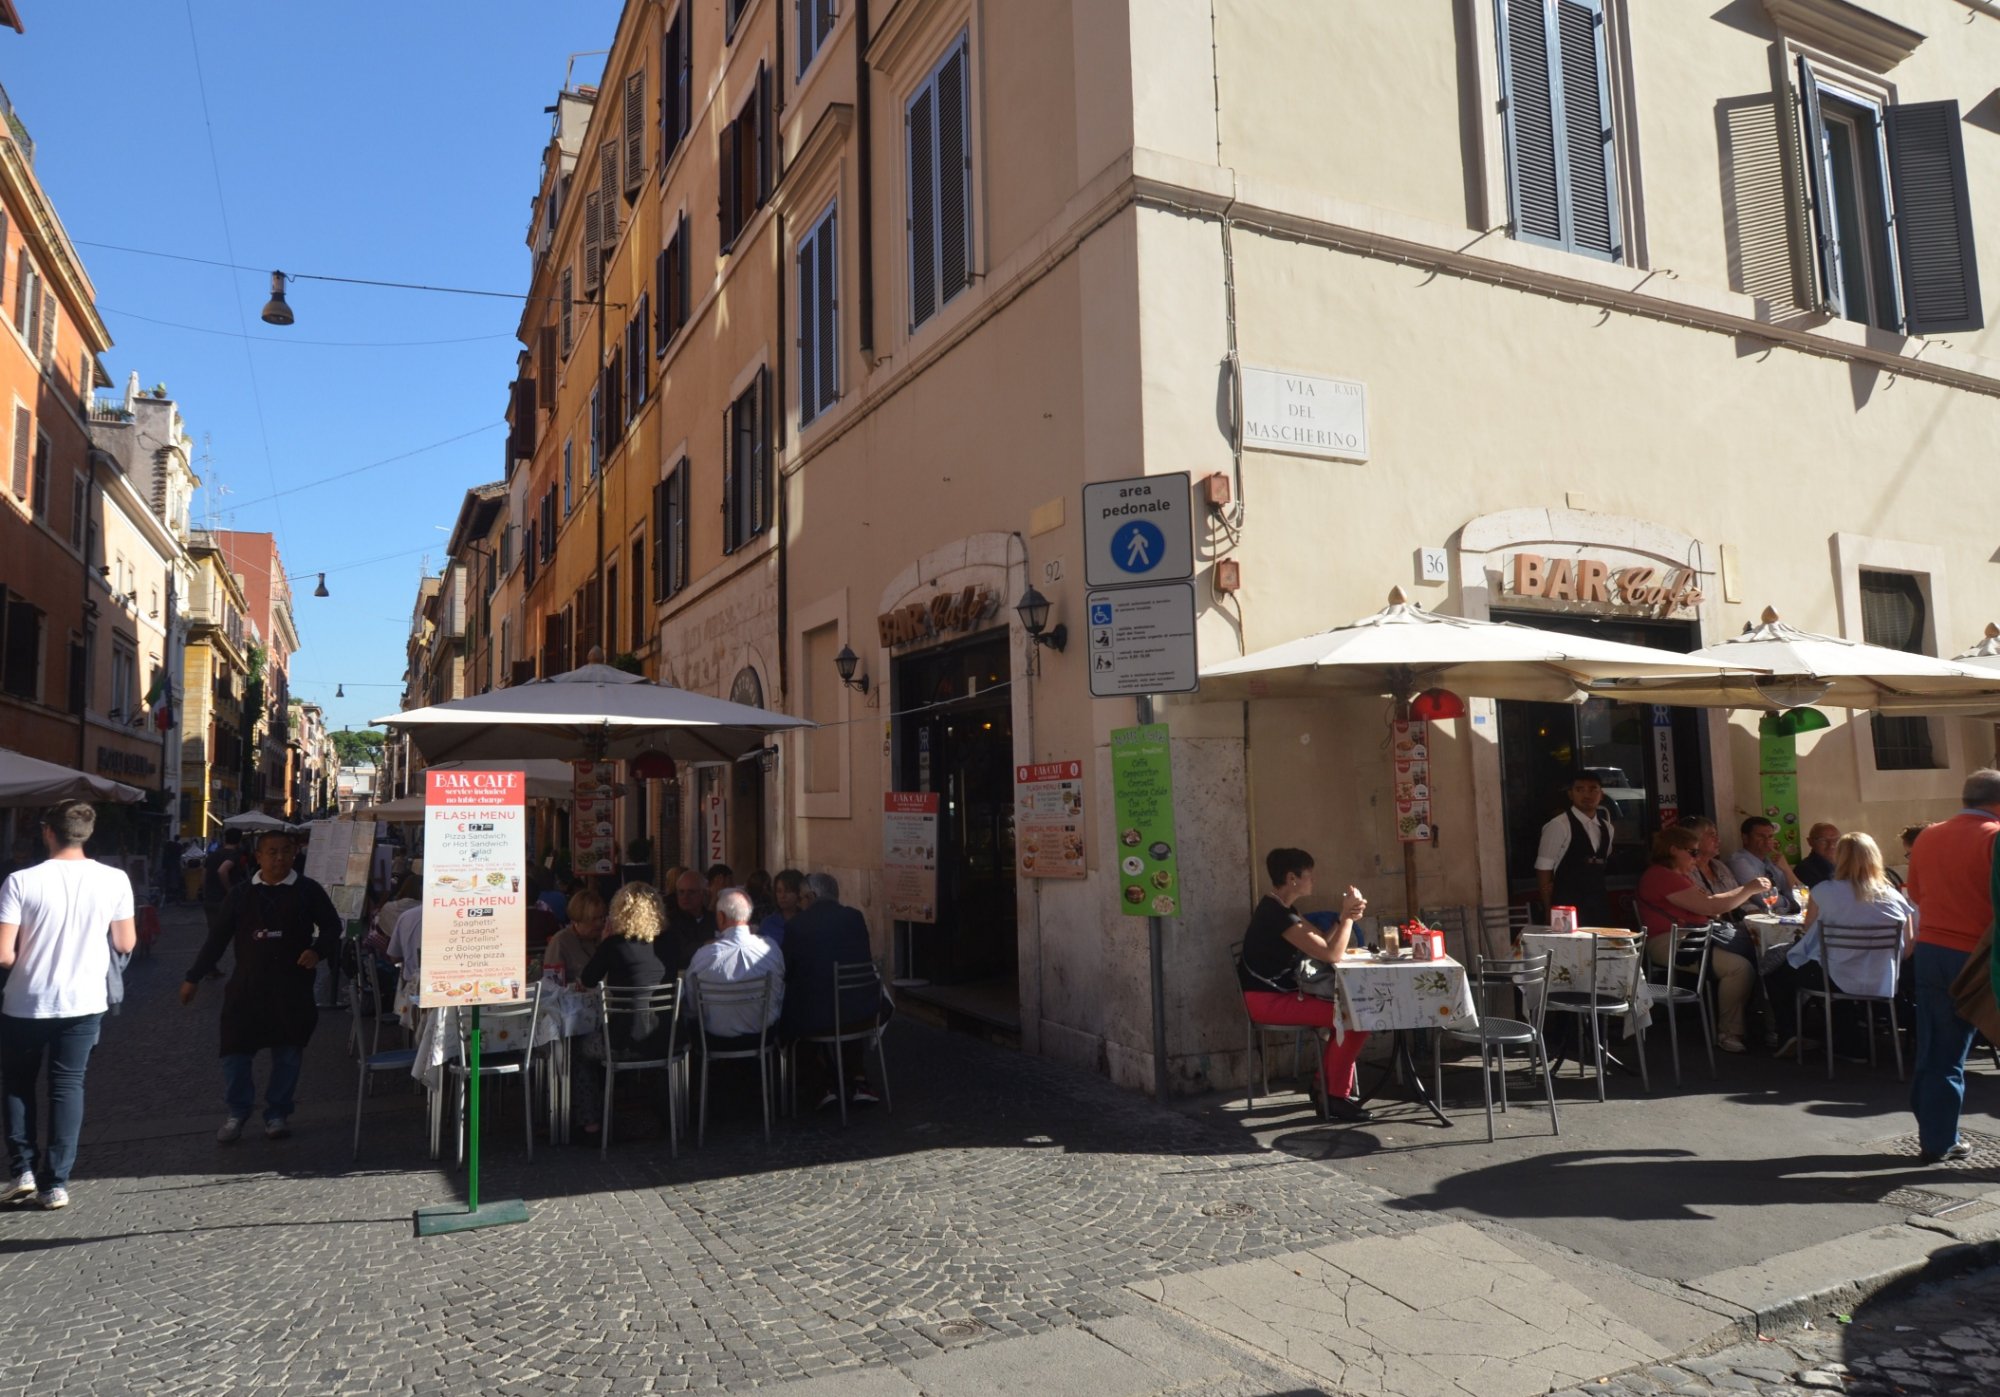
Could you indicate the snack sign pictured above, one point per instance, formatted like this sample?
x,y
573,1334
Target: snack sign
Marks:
x,y
475,947
1048,820
1142,793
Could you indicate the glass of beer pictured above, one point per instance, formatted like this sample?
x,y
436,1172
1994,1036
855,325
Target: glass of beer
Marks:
x,y
1392,940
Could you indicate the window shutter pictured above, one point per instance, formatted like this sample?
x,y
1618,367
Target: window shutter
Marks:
x,y
828,276
593,241
659,539
40,503
1590,162
954,178
638,575
919,123
661,328
1529,89
684,84
49,328
1819,183
521,435
683,483
607,196
683,262
760,456
24,290
732,467
545,377
24,425
725,184
762,126
808,318
568,295
635,131
1933,218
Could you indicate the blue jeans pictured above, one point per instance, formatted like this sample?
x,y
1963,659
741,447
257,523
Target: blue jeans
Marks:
x,y
239,1084
1937,1080
25,1045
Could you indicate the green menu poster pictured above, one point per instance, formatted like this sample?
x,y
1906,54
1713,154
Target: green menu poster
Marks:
x,y
1142,794
1778,790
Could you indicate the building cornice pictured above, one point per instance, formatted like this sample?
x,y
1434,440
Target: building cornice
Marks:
x,y
53,249
1846,31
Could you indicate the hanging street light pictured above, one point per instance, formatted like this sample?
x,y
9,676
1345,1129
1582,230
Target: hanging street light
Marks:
x,y
276,312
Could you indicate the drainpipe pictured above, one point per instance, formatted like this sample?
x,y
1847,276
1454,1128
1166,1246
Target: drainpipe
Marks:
x,y
864,176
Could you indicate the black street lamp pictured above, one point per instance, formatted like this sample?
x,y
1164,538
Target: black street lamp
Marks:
x,y
846,662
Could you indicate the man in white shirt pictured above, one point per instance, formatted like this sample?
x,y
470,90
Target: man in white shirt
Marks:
x,y
736,954
1575,854
1758,859
59,923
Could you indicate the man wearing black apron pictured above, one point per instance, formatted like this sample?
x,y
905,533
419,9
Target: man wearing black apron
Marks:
x,y
1575,855
271,921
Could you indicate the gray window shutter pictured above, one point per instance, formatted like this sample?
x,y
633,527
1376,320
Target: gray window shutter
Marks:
x,y
24,425
1591,163
24,290
1819,186
828,277
48,348
954,176
568,295
808,318
1533,181
593,240
1933,218
635,130
921,139
607,196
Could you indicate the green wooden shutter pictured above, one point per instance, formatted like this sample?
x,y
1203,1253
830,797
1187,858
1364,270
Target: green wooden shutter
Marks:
x,y
1933,218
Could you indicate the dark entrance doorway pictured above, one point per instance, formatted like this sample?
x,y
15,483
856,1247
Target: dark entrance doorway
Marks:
x,y
1652,761
956,738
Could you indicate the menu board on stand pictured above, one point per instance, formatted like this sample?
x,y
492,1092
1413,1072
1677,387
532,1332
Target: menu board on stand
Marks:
x,y
1410,764
1048,820
593,817
909,854
475,912
339,857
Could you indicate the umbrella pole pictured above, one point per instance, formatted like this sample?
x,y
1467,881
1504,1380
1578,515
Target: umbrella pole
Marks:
x,y
1409,850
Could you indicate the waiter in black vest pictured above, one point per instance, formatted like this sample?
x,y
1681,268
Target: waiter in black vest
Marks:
x,y
1575,854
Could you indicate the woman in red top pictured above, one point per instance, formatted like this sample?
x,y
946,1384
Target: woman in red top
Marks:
x,y
1669,896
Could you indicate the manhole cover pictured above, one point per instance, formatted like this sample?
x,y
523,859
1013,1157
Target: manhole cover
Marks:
x,y
1934,1205
1227,1210
1985,1150
960,1329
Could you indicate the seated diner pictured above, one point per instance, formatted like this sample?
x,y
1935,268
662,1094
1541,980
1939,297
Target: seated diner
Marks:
x,y
1669,896
1857,898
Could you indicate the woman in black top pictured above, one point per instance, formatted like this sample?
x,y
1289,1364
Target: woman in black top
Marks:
x,y
1272,944
627,958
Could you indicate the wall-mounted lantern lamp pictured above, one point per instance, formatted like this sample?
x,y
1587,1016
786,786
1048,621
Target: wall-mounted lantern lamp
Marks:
x,y
847,662
1033,609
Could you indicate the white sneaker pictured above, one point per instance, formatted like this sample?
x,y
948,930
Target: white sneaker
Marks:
x,y
50,1199
19,1187
231,1131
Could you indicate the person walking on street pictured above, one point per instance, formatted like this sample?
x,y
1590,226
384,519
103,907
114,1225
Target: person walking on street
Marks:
x,y
1950,881
271,920
60,920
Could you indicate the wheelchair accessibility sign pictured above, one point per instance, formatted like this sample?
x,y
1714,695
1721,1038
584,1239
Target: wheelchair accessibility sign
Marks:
x,y
1141,641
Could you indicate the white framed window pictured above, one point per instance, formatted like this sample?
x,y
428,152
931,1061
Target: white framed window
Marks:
x,y
937,140
819,316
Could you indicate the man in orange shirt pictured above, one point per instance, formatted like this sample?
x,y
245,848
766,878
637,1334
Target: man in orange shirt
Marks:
x,y
1951,871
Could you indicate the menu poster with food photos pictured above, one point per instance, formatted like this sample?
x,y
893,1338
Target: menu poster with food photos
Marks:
x,y
1410,763
475,947
593,817
909,854
1142,799
1048,820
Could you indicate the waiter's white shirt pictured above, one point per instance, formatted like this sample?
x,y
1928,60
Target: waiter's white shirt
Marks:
x,y
1556,837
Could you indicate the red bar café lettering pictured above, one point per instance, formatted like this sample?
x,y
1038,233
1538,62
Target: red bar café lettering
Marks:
x,y
1592,581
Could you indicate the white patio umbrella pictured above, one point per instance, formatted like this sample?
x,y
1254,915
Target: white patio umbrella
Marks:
x,y
256,820
1986,654
1800,668
1402,649
26,780
594,712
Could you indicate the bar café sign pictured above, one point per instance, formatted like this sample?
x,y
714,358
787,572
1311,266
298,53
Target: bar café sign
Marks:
x,y
1657,591
946,613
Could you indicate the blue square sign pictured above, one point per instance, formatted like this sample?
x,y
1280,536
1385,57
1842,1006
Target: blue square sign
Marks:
x,y
1100,613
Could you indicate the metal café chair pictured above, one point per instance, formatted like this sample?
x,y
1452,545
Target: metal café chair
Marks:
x,y
664,1002
1528,976
518,1016
1688,949
1613,992
367,1001
1255,1062
1835,937
754,991
848,977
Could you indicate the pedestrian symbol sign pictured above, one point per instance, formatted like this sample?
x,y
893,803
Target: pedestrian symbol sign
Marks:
x,y
1138,530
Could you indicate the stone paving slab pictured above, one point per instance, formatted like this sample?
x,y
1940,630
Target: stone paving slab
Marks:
x,y
1444,1311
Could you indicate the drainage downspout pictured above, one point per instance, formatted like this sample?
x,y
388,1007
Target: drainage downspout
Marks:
x,y
864,178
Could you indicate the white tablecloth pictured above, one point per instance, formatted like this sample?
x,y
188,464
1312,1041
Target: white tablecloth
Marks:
x,y
566,1013
1775,936
1571,971
1379,995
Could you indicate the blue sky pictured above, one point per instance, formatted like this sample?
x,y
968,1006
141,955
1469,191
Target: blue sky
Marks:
x,y
398,142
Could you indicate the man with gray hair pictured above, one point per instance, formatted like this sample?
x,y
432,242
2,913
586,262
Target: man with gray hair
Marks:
x,y
1951,882
824,935
736,954
59,923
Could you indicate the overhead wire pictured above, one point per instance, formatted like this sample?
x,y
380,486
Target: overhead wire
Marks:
x,y
287,339
372,465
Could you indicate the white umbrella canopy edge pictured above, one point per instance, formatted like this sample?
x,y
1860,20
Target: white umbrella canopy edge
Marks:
x,y
256,820
595,711
29,781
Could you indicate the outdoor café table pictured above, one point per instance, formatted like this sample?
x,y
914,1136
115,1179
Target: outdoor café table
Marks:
x,y
1570,968
1774,934
1404,996
567,1013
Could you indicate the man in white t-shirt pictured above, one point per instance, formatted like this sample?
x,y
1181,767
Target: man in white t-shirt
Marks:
x,y
59,923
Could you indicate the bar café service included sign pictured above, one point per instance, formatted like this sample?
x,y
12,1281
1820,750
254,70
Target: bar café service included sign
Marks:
x,y
1048,820
475,908
1142,793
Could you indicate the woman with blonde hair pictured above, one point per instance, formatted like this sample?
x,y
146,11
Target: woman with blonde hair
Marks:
x,y
627,958
1858,898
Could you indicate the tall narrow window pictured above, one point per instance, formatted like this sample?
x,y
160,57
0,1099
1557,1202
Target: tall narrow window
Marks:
x,y
637,572
1555,89
676,85
79,510
815,25
746,486
41,482
744,167
596,427
1894,614
568,497
819,325
610,640
938,140
670,277
568,295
